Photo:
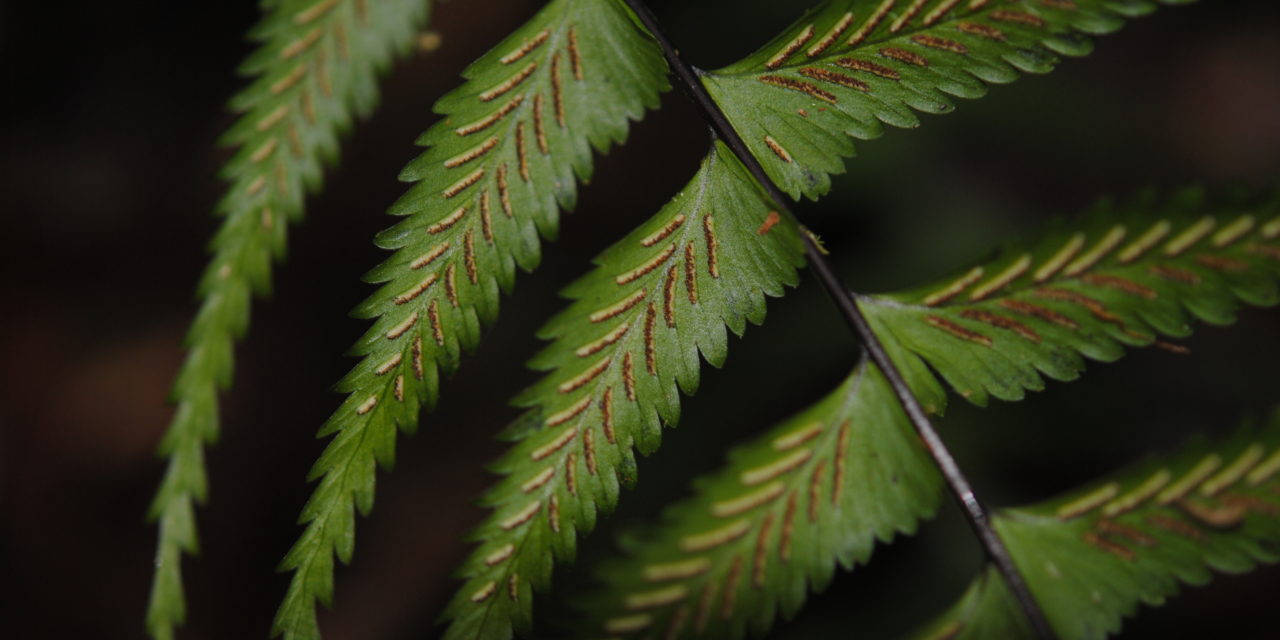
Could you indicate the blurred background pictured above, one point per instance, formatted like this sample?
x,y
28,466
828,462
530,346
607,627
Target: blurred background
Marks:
x,y
107,170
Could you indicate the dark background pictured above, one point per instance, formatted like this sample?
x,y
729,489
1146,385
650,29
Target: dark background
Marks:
x,y
107,175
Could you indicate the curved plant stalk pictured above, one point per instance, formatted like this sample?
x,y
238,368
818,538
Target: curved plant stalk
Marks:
x,y
663,295
661,583
316,70
1094,555
848,66
516,139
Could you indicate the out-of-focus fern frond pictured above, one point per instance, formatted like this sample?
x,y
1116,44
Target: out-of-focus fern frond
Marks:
x,y
316,70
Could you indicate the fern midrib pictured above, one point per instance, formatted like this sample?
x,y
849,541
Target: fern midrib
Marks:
x,y
322,519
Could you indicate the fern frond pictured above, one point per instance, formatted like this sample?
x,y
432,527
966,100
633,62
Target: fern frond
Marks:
x,y
1126,276
517,137
825,485
668,583
1091,557
663,295
316,71
850,65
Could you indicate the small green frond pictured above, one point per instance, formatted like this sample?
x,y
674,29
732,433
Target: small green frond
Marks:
x,y
1093,556
516,139
316,70
1125,276
850,65
663,295
824,486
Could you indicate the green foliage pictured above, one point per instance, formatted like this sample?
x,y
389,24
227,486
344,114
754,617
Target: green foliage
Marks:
x,y
316,70
989,336
823,486
659,298
516,138
1127,275
1091,557
850,65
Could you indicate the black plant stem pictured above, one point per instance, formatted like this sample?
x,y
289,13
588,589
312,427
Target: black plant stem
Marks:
x,y
846,300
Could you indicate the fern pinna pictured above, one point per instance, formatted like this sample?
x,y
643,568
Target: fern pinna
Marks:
x,y
1126,276
812,491
823,486
1094,555
517,137
634,334
850,65
316,70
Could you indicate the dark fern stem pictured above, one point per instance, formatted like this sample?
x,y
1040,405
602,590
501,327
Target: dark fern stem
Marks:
x,y
846,300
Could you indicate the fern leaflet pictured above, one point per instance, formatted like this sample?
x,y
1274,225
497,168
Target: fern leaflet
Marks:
x,y
667,583
1126,275
1091,557
516,138
764,530
850,65
316,70
632,336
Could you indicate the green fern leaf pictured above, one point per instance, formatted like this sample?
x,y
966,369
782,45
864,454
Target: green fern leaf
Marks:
x,y
632,336
850,65
1093,556
1126,276
517,137
316,71
1237,258
825,484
